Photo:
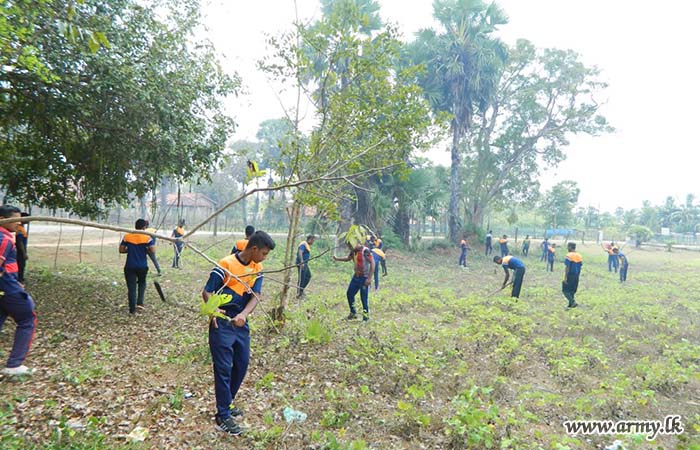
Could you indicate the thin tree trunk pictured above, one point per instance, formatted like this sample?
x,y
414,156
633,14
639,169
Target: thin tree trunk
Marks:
x,y
244,207
364,214
477,214
163,193
402,224
58,245
345,221
453,213
80,249
102,244
289,258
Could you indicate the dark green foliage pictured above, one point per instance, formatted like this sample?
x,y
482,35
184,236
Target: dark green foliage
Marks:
x,y
104,123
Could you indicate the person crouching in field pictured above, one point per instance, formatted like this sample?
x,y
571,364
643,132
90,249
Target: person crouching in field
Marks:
x,y
623,263
551,255
15,302
572,271
463,255
136,246
363,267
229,341
512,263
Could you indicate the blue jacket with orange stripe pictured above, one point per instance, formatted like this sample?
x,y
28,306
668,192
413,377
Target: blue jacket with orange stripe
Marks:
x,y
8,263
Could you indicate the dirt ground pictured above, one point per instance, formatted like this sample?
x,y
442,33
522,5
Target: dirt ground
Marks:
x,y
439,365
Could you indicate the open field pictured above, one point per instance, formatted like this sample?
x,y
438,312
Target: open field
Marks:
x,y
439,365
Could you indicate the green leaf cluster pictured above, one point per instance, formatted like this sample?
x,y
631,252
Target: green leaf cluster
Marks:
x,y
210,308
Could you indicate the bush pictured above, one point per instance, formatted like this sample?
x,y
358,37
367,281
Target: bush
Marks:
x,y
391,240
473,232
640,233
441,244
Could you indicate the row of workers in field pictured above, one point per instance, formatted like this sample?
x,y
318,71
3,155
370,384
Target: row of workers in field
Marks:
x,y
238,275
573,263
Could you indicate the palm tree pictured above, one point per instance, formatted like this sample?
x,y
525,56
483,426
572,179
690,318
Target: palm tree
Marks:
x,y
462,63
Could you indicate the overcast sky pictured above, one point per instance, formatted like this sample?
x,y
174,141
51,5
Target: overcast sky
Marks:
x,y
648,55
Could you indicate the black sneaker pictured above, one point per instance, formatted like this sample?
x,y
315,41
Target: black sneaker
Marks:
x,y
236,411
228,426
574,305
365,317
351,316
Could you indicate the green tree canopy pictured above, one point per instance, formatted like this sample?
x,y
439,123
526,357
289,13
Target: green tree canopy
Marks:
x,y
461,64
559,202
101,126
543,97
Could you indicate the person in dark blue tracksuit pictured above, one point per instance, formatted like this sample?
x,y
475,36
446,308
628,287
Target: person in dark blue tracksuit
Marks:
x,y
379,257
229,341
376,242
136,246
551,256
463,255
623,263
15,302
178,232
503,242
544,246
303,256
526,246
572,272
512,263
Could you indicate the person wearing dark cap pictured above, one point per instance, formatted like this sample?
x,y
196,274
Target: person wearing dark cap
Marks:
x,y
136,246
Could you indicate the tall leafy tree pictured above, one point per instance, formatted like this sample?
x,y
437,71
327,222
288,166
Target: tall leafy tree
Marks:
x,y
23,22
542,97
367,114
110,122
559,202
649,216
462,62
